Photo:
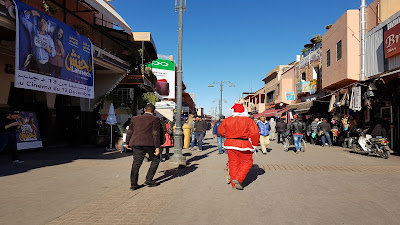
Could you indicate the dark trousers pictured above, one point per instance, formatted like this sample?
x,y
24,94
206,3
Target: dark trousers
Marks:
x,y
139,153
199,138
166,152
11,143
280,136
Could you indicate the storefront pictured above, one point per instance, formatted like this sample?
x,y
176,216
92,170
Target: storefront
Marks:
x,y
383,73
59,86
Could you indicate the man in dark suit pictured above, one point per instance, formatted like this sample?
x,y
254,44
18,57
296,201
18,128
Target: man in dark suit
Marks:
x,y
144,136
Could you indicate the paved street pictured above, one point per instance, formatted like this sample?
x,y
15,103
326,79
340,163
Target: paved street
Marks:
x,y
91,186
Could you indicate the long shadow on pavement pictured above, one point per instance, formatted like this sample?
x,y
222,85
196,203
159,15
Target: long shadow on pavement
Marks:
x,y
44,157
176,172
199,157
254,172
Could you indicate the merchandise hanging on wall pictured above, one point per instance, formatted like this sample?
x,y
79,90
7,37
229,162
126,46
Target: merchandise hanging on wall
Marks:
x,y
355,102
51,56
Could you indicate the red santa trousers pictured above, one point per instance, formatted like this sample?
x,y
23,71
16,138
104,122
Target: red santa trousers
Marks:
x,y
240,163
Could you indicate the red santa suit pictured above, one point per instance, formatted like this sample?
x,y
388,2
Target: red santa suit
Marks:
x,y
242,137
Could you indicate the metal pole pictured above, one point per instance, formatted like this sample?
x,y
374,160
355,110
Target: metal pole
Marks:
x,y
178,157
363,45
220,101
111,137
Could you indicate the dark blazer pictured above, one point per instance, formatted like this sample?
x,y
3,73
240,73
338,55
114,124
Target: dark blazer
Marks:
x,y
145,130
281,126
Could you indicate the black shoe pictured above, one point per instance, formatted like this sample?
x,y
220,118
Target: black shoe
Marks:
x,y
135,187
18,161
151,183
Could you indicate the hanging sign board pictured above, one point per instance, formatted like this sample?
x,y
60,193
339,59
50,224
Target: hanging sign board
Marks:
x,y
165,73
392,42
51,56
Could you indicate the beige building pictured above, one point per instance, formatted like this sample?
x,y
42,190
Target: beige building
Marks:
x,y
341,52
379,11
341,43
272,84
254,102
286,85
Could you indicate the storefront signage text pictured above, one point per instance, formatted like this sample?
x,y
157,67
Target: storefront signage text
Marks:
x,y
392,42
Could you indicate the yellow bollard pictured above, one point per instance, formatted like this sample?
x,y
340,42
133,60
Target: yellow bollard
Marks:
x,y
186,135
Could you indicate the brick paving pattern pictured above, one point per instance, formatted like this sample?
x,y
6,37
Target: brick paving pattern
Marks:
x,y
332,185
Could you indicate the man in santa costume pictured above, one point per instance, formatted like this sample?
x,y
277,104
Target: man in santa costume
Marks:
x,y
242,137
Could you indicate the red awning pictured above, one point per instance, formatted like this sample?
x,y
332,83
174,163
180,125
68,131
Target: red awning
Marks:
x,y
270,112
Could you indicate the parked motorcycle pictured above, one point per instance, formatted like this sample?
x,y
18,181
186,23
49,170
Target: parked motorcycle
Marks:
x,y
366,144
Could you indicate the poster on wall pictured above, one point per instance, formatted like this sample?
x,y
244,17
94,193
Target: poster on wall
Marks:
x,y
165,73
28,135
51,56
290,96
313,86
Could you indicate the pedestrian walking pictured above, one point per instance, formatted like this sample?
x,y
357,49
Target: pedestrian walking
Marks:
x,y
298,128
169,141
264,129
324,129
9,128
281,128
314,131
242,137
272,132
220,139
145,135
200,128
192,134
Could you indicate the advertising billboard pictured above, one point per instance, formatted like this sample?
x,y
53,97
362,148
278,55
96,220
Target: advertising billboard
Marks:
x,y
313,86
302,87
51,56
165,73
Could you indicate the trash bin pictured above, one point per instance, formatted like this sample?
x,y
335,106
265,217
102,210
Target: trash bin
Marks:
x,y
186,135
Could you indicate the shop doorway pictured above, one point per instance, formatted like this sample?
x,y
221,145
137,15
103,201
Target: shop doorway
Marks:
x,y
391,114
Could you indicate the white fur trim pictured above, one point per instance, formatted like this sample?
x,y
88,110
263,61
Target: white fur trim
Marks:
x,y
239,149
243,114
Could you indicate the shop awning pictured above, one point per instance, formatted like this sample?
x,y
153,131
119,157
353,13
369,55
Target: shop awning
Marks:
x,y
141,80
108,10
302,107
271,113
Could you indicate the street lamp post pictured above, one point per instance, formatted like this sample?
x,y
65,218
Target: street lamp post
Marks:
x,y
221,85
178,157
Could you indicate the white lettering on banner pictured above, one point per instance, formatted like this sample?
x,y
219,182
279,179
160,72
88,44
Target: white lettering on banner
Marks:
x,y
392,39
44,83
311,99
156,63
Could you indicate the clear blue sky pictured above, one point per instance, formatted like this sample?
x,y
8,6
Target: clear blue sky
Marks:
x,y
236,41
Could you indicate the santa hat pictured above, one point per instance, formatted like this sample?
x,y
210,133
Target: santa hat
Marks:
x,y
238,108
